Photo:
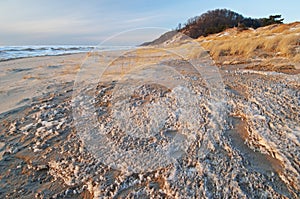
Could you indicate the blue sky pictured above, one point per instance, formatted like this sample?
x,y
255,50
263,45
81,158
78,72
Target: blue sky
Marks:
x,y
25,22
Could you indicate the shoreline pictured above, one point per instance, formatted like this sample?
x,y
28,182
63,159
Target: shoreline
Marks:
x,y
11,59
66,51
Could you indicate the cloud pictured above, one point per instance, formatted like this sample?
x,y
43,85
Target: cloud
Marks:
x,y
142,19
134,36
43,22
43,26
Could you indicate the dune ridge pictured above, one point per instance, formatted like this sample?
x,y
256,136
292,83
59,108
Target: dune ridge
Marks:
x,y
271,48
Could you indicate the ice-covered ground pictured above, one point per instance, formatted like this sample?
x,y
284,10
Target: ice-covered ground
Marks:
x,y
166,129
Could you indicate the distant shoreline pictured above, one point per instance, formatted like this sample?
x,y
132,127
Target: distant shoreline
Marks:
x,y
19,52
19,58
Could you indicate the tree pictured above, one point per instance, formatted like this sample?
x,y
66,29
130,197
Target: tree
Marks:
x,y
211,22
218,20
178,27
273,19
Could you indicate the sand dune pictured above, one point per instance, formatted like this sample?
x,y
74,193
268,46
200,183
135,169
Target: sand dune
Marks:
x,y
270,48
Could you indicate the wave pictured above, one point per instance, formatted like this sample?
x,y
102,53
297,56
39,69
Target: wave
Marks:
x,y
15,52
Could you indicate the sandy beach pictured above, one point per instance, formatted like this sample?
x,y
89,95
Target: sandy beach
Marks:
x,y
23,79
153,125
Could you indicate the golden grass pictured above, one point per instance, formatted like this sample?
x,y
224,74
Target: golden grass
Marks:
x,y
297,58
271,41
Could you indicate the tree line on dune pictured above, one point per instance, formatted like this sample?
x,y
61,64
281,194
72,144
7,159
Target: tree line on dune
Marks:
x,y
218,20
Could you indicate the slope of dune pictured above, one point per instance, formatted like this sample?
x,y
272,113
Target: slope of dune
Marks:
x,y
270,48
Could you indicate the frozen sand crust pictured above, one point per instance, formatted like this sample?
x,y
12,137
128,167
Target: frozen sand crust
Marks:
x,y
131,71
23,79
215,167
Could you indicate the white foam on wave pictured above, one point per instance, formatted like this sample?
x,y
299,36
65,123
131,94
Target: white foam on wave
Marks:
x,y
15,52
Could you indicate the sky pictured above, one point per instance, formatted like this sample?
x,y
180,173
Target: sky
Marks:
x,y
115,22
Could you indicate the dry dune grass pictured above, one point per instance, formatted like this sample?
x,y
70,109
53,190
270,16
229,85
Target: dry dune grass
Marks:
x,y
266,43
